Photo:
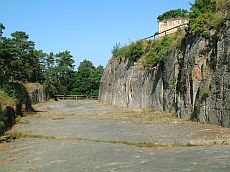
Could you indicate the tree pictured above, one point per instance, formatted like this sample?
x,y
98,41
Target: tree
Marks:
x,y
87,79
83,83
37,66
173,14
22,50
206,15
65,66
95,79
2,65
59,72
20,61
18,58
2,27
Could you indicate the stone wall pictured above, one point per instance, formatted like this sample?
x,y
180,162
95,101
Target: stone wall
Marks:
x,y
37,93
168,24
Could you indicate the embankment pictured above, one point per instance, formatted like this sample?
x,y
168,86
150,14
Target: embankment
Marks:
x,y
21,100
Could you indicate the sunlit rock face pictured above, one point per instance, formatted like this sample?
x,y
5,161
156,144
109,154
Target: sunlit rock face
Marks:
x,y
194,81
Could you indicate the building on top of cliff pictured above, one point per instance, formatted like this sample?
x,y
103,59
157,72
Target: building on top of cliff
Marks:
x,y
170,26
170,21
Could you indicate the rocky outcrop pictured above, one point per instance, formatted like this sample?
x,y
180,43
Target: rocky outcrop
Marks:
x,y
194,81
37,93
7,112
127,84
26,94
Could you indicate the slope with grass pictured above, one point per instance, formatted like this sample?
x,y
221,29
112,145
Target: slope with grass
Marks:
x,y
7,111
16,99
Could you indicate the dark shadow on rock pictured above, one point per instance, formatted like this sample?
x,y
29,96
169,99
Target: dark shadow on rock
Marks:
x,y
7,119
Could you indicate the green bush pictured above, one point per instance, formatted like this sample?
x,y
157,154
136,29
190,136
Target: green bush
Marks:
x,y
118,50
134,51
157,51
151,52
206,15
173,14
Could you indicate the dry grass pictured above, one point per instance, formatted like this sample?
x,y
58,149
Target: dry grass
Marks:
x,y
4,148
5,100
30,87
144,116
20,120
45,115
20,135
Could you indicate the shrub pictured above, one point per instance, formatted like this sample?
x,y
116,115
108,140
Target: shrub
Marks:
x,y
157,51
134,51
208,14
173,14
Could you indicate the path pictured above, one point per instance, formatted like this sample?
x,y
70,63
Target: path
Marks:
x,y
87,136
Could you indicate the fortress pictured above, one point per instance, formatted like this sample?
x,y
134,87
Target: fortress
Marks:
x,y
165,26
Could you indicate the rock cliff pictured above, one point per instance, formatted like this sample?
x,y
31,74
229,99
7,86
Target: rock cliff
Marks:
x,y
37,93
26,94
193,81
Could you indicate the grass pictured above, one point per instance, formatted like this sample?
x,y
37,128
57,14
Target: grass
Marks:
x,y
148,53
20,135
20,120
30,87
58,118
5,100
4,148
147,115
53,115
175,143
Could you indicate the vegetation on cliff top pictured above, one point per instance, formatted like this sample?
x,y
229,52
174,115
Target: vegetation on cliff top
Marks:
x,y
149,53
173,14
205,16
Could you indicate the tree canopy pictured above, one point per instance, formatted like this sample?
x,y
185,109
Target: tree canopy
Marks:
x,y
87,79
20,61
206,15
173,14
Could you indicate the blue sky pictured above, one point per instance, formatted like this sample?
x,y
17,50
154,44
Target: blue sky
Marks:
x,y
87,28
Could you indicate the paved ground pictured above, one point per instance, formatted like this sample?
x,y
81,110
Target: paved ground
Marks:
x,y
89,136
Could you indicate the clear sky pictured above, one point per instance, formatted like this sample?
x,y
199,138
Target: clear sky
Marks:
x,y
87,28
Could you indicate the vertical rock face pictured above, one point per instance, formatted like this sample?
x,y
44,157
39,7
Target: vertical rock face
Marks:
x,y
127,84
219,106
194,83
193,78
37,93
203,89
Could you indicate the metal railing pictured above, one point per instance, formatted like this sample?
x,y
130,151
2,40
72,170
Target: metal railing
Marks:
x,y
165,31
75,97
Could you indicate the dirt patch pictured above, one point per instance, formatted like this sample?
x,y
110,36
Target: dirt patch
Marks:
x,y
4,148
9,159
139,117
208,134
